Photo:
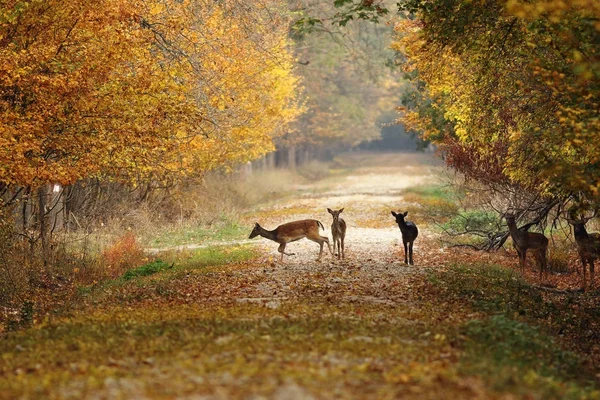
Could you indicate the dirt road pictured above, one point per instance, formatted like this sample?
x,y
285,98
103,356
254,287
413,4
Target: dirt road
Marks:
x,y
368,194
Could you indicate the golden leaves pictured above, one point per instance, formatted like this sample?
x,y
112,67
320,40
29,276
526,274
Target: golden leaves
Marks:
x,y
133,90
531,89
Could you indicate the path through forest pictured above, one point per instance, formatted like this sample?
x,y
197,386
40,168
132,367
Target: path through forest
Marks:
x,y
253,328
373,245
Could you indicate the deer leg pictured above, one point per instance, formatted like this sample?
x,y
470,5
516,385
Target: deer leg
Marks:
x,y
281,249
321,240
320,250
523,261
592,272
342,242
405,252
582,258
410,251
326,240
545,258
584,268
336,244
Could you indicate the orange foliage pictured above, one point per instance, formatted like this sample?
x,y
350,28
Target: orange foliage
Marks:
x,y
123,254
133,90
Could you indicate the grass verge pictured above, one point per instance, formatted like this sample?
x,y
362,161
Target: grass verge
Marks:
x,y
524,341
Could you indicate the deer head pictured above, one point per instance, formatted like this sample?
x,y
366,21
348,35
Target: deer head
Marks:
x,y
400,217
335,214
256,231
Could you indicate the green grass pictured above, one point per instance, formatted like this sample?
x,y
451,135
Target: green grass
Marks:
x,y
224,230
147,269
219,255
439,192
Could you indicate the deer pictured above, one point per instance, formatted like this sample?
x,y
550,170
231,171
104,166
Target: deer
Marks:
x,y
409,234
292,231
338,231
524,241
588,246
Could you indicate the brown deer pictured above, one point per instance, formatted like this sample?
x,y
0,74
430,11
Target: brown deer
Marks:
x,y
523,241
338,231
292,231
409,234
588,246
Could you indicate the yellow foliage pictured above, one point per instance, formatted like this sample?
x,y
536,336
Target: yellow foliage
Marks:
x,y
137,90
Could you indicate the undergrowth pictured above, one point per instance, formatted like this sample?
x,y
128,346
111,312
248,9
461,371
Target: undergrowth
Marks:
x,y
513,344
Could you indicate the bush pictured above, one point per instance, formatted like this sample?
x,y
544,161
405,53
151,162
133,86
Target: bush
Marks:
x,y
314,170
560,256
124,254
468,221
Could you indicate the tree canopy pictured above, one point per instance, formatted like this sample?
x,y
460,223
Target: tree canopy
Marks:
x,y
130,89
509,90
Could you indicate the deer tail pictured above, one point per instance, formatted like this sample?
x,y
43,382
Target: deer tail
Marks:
x,y
321,225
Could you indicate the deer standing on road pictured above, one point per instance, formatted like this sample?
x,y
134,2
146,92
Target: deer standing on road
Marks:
x,y
523,241
338,230
588,246
409,234
292,231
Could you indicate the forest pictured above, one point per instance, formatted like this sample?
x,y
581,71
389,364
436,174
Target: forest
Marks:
x,y
299,199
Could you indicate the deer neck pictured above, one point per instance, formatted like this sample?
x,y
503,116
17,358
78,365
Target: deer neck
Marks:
x,y
268,234
515,233
580,231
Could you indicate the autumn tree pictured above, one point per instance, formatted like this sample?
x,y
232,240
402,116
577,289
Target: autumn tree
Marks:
x,y
120,86
137,92
509,90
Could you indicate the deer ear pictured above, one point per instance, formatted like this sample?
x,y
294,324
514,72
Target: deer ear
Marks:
x,y
394,214
405,213
329,211
341,209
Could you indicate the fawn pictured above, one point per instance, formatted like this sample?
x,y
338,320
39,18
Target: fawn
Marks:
x,y
338,230
292,231
409,234
523,241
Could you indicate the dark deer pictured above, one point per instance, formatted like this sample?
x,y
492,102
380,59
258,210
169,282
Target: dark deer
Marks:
x,y
588,246
409,234
524,241
292,231
338,231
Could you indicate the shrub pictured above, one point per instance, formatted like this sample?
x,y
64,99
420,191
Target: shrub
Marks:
x,y
560,256
124,254
468,221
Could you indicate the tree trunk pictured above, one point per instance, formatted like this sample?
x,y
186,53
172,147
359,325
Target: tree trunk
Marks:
x,y
292,157
270,160
43,220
